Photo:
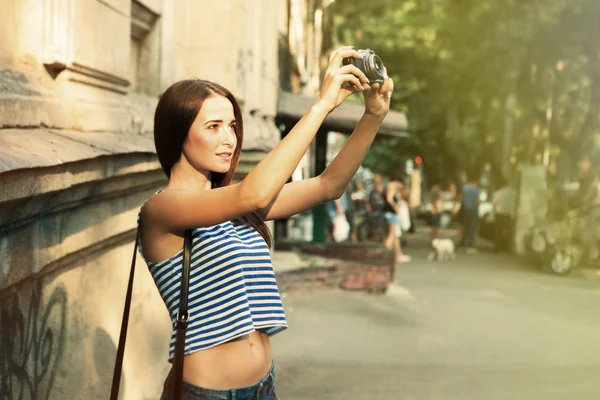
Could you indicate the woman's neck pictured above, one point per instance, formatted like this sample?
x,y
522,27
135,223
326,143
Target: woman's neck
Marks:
x,y
185,177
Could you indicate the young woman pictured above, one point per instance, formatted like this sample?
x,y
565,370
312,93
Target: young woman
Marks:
x,y
234,303
391,211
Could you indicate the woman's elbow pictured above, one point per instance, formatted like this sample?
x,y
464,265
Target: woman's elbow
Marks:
x,y
333,194
259,201
329,191
253,199
262,202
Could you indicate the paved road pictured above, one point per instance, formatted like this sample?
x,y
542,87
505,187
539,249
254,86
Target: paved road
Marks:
x,y
481,327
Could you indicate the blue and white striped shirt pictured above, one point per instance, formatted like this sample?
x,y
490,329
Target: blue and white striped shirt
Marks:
x,y
232,287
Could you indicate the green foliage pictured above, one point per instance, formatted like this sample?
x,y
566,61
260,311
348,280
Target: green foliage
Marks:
x,y
485,81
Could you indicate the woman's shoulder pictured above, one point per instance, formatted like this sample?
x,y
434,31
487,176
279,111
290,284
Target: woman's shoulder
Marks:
x,y
160,203
146,210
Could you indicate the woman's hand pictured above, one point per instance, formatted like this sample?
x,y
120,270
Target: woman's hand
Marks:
x,y
334,89
378,96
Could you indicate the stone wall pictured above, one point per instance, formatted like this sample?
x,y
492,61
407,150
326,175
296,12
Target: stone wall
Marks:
x,y
61,329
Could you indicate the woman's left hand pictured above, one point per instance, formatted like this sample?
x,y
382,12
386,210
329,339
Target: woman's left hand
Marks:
x,y
377,97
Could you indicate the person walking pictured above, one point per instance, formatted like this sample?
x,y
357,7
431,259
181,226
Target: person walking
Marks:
x,y
404,214
503,202
234,303
375,214
436,212
392,210
339,208
470,200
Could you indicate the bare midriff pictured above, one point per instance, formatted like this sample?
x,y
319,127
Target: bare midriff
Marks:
x,y
240,362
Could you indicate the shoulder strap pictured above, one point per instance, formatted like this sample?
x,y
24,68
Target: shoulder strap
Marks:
x,y
182,317
114,393
182,320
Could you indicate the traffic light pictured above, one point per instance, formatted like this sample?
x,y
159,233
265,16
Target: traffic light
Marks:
x,y
418,160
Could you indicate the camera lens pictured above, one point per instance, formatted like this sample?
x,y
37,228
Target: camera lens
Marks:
x,y
373,67
378,64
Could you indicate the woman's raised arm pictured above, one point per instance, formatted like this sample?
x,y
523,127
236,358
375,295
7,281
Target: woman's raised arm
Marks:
x,y
178,210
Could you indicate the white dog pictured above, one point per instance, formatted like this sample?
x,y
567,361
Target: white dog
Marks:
x,y
443,249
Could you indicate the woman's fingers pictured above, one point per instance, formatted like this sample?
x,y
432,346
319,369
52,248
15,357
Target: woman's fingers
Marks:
x,y
334,53
351,69
390,88
350,79
350,89
387,87
374,87
340,54
383,89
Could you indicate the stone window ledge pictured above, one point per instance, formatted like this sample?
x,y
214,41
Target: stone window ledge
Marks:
x,y
38,161
66,194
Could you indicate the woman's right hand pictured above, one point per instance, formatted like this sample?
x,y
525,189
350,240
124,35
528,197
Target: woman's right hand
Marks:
x,y
334,91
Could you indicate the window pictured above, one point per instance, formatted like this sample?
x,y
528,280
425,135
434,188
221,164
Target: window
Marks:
x,y
145,49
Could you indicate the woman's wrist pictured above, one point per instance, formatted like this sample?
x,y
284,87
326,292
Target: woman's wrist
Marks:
x,y
320,109
375,116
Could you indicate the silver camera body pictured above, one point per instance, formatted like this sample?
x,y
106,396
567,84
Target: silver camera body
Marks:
x,y
371,65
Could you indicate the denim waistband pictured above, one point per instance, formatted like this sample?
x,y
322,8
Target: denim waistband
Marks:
x,y
256,390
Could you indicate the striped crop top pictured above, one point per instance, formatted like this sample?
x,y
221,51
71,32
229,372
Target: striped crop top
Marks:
x,y
232,287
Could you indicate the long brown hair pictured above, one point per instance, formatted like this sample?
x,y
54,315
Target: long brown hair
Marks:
x,y
176,110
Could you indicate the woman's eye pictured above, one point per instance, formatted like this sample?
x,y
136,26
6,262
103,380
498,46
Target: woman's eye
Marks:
x,y
213,126
232,127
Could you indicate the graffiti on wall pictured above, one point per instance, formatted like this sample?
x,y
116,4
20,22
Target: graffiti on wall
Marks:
x,y
32,340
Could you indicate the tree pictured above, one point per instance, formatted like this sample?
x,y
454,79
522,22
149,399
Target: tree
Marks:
x,y
487,82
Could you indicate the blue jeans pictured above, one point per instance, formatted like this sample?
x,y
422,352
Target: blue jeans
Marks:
x,y
470,221
261,390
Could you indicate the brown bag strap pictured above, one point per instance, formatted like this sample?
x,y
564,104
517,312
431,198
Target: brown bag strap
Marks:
x,y
114,393
182,318
181,323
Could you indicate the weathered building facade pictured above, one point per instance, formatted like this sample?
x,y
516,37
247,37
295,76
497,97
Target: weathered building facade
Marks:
x,y
79,81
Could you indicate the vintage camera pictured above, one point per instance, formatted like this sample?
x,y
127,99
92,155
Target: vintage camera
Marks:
x,y
371,65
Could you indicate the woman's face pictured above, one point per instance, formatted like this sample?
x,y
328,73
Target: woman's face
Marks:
x,y
211,142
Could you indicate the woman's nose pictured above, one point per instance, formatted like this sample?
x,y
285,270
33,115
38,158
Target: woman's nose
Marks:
x,y
228,137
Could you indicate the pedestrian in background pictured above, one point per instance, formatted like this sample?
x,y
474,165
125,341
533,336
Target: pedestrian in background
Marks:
x,y
470,199
503,202
376,198
198,133
391,212
340,207
359,196
405,220
457,209
375,214
436,211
